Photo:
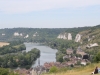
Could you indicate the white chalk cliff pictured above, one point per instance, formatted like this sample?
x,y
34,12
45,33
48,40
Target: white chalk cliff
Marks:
x,y
92,45
78,38
69,36
26,36
35,34
65,35
16,34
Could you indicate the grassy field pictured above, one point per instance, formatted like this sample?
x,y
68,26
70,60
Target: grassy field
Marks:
x,y
79,71
3,44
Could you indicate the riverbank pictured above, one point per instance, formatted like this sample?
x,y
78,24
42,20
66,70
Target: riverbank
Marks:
x,y
47,54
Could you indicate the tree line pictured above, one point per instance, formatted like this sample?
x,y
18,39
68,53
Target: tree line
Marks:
x,y
24,59
12,49
45,34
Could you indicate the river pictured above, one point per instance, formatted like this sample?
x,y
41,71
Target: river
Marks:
x,y
47,54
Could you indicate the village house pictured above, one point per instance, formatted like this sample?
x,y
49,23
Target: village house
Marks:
x,y
58,64
22,72
66,56
69,51
80,51
83,62
50,64
69,63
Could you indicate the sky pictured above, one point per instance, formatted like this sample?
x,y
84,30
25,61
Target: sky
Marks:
x,y
49,13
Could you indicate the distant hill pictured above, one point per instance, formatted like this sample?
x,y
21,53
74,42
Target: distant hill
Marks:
x,y
29,34
91,35
90,40
87,35
35,34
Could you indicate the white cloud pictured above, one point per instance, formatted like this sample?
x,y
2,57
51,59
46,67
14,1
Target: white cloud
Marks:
x,y
24,6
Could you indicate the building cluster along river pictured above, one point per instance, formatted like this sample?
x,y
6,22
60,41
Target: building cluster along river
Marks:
x,y
47,54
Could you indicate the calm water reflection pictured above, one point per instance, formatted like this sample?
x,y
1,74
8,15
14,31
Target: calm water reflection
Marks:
x,y
47,54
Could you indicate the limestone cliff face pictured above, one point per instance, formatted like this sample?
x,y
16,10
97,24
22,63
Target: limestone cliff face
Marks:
x,y
69,36
92,45
65,35
35,34
18,34
78,38
62,36
26,36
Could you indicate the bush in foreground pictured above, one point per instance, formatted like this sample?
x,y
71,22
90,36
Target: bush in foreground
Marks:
x,y
4,71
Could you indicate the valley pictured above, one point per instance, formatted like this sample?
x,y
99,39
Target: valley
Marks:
x,y
76,48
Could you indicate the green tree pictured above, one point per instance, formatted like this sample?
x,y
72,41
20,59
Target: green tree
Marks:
x,y
53,69
97,57
4,71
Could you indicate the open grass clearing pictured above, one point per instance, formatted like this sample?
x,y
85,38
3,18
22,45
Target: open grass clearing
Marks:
x,y
86,70
3,44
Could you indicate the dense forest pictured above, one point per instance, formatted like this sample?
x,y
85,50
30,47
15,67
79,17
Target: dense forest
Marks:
x,y
12,55
19,59
11,49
